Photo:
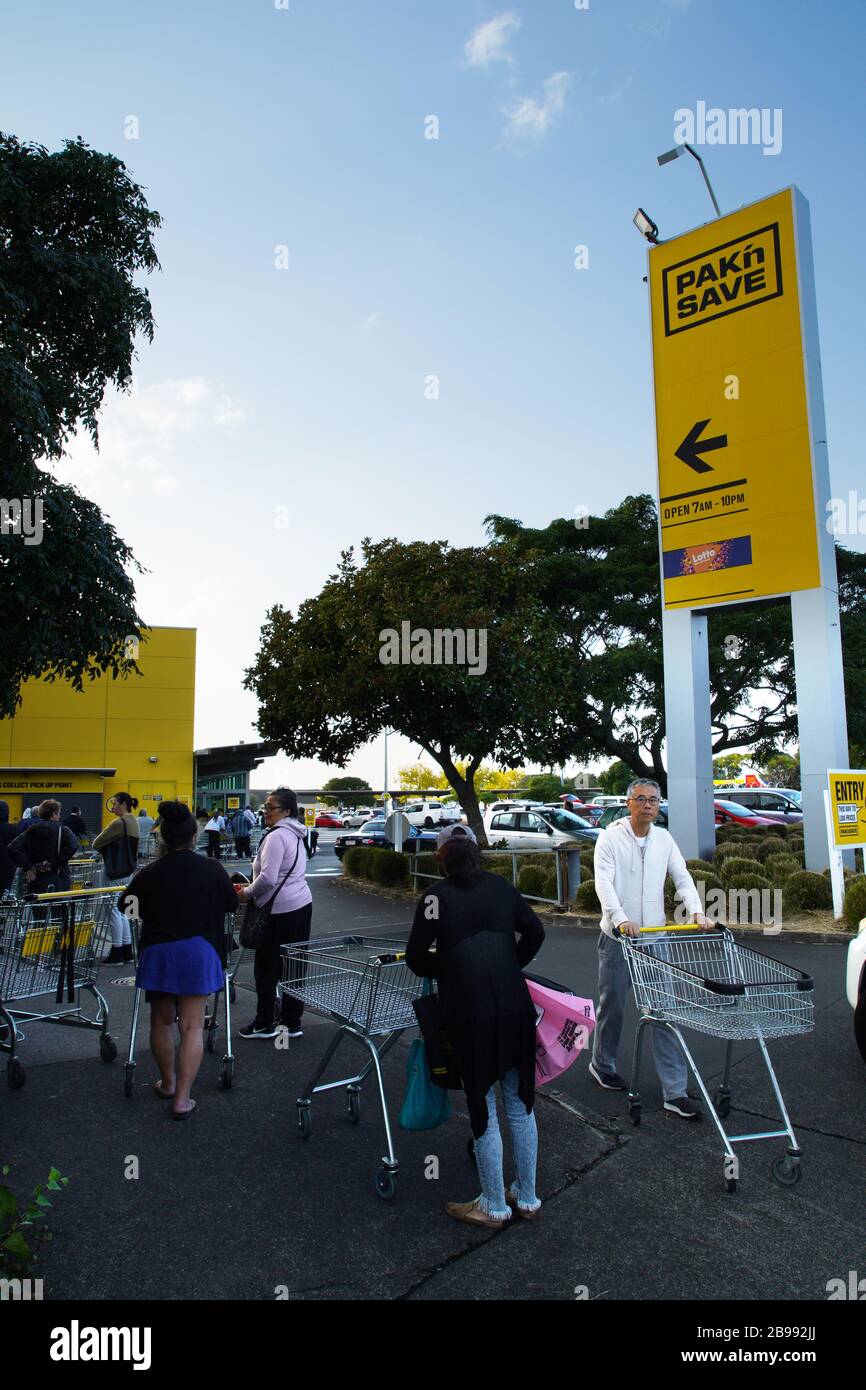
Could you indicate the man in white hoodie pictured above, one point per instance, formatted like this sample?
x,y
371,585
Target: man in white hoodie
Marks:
x,y
632,858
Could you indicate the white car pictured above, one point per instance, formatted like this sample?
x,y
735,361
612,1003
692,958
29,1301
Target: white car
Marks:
x,y
522,830
430,813
856,986
496,806
608,801
352,820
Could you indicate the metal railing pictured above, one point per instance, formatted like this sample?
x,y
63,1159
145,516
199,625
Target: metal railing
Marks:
x,y
566,861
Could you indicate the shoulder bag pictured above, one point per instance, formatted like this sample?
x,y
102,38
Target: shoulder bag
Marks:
x,y
255,921
118,855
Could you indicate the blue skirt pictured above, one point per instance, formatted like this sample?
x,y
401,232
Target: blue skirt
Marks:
x,y
180,967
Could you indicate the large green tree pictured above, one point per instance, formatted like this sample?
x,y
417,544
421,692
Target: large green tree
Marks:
x,y
74,231
324,690
601,580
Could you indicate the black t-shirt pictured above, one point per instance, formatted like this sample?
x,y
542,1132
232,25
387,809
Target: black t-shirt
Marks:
x,y
180,896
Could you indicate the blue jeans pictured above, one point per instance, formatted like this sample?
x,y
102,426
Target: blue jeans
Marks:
x,y
121,931
614,983
524,1148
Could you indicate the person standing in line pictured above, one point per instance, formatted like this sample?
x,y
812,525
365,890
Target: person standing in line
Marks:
x,y
484,934
242,824
181,901
76,823
118,845
8,832
279,868
214,829
44,850
632,859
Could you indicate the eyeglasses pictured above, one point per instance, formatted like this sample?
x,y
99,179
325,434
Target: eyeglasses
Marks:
x,y
646,800
269,806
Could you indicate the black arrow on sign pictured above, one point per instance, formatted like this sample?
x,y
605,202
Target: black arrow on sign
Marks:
x,y
693,446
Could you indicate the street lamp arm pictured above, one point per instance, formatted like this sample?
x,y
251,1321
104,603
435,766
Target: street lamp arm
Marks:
x,y
696,156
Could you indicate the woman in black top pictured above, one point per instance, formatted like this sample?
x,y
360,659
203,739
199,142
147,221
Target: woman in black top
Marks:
x,y
44,850
181,901
474,918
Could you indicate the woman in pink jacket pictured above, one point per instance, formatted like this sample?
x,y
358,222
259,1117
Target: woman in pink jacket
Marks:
x,y
279,867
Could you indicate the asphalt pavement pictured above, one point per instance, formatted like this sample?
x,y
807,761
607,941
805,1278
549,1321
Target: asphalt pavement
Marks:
x,y
234,1204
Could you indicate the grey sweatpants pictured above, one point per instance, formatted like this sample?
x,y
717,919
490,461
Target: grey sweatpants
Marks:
x,y
614,983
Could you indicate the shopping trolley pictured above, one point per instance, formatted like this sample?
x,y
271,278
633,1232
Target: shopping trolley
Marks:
x,y
709,982
211,1025
51,943
364,984
84,873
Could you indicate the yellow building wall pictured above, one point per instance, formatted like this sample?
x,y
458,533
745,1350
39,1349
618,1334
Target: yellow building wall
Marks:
x,y
112,723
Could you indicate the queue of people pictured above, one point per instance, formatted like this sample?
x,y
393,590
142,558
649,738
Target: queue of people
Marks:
x,y
473,933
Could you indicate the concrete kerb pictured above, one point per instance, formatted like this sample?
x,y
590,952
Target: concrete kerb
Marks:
x,y
588,922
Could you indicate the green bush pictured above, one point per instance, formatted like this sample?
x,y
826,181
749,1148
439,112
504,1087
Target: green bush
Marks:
x,y
587,861
696,867
733,868
805,890
498,864
770,845
548,889
531,880
586,898
855,901
388,868
750,910
427,864
727,851
354,860
780,867
709,880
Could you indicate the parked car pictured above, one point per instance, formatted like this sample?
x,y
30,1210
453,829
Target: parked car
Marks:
x,y
372,836
612,813
731,813
768,801
329,820
856,986
578,827
511,804
357,817
608,801
430,813
522,830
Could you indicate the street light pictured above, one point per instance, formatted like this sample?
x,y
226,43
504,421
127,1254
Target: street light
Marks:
x,y
646,226
675,153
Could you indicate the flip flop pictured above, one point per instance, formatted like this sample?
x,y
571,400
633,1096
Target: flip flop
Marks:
x,y
158,1091
184,1114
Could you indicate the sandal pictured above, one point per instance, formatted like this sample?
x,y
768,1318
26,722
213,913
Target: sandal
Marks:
x,y
158,1091
184,1114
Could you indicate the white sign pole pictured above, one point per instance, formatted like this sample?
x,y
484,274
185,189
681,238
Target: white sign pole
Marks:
x,y
837,876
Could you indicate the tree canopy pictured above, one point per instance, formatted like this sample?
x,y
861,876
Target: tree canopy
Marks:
x,y
74,231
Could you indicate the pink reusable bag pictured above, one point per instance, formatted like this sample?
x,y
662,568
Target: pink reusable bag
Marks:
x,y
563,1026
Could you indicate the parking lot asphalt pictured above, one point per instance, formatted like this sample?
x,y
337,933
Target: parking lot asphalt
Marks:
x,y
234,1204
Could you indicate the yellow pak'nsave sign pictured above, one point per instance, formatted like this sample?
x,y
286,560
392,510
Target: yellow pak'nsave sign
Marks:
x,y
848,807
737,509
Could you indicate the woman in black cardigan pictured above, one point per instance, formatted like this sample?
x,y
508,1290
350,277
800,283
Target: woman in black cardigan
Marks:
x,y
474,919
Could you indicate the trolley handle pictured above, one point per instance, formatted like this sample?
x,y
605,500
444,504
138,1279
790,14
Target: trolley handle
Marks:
x,y
689,926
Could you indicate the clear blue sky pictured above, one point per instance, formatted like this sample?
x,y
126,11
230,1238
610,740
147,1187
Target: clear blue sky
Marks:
x,y
280,415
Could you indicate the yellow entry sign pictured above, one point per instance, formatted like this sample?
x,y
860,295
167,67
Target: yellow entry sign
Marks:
x,y
848,807
736,493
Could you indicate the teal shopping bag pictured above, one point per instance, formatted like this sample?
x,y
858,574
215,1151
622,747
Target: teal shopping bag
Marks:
x,y
424,1106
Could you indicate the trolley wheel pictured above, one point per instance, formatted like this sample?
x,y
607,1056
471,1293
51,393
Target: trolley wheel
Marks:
x,y
128,1074
722,1103
786,1170
634,1112
227,1074
233,994
15,1074
211,1039
470,1147
107,1048
386,1184
355,1106
305,1123
730,1184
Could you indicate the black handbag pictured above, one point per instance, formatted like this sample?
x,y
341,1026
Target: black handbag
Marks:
x,y
254,925
118,855
441,1057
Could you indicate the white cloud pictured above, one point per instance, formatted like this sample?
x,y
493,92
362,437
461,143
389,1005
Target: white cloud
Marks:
x,y
531,118
489,42
371,321
165,487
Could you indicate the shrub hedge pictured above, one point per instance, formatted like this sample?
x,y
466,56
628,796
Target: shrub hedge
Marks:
x,y
733,868
806,890
388,868
855,901
586,897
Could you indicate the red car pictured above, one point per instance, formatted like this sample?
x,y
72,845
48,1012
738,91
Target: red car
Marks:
x,y
731,813
326,821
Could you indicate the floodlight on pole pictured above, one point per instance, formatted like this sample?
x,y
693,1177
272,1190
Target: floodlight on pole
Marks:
x,y
675,153
646,226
